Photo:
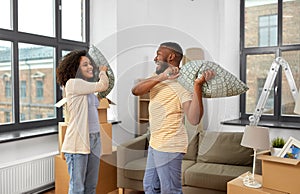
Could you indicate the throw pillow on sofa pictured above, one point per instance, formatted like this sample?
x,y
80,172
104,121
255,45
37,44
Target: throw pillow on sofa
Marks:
x,y
223,148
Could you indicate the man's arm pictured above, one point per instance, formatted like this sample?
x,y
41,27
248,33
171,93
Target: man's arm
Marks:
x,y
144,86
194,109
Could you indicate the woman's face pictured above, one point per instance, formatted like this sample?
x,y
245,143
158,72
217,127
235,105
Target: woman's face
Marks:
x,y
86,68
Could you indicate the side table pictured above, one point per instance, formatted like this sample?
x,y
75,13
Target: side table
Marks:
x,y
236,186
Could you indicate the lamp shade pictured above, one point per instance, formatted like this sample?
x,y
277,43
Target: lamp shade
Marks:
x,y
297,105
256,137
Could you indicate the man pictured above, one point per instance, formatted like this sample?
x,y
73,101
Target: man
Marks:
x,y
169,101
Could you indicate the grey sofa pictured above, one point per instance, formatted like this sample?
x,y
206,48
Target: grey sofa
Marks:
x,y
213,159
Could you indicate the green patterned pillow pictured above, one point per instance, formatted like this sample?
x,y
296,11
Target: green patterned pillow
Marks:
x,y
222,85
99,59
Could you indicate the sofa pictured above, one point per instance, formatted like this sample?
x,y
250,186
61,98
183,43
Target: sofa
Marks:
x,y
213,158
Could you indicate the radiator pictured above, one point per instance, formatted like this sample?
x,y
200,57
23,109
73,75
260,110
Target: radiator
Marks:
x,y
27,175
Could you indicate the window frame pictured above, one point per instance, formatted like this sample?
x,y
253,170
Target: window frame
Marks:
x,y
58,44
277,119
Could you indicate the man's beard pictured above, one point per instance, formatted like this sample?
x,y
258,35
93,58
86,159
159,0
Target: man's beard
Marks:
x,y
162,67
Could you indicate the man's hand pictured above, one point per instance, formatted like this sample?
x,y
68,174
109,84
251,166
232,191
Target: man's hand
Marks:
x,y
171,72
206,76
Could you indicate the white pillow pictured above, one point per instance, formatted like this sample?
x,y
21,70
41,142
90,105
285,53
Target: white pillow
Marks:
x,y
222,85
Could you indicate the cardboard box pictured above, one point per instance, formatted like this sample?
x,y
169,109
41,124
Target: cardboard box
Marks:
x,y
107,180
62,177
236,186
282,174
62,127
102,109
106,138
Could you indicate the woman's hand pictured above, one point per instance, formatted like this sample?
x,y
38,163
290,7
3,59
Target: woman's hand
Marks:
x,y
102,68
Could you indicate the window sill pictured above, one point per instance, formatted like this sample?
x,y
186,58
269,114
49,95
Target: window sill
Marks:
x,y
271,124
30,133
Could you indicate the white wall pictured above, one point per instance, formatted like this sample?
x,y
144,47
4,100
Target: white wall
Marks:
x,y
129,32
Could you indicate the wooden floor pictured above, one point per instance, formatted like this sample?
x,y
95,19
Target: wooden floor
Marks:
x,y
127,191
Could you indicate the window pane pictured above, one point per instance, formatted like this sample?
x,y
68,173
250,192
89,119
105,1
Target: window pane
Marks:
x,y
258,67
5,14
290,22
73,20
6,86
36,68
36,17
288,104
260,14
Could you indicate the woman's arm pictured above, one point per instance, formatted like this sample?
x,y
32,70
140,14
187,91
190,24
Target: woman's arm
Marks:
x,y
80,86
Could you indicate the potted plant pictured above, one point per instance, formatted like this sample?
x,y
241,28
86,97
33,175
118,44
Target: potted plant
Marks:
x,y
277,145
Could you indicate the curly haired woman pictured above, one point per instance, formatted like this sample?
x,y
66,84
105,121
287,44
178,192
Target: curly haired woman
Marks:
x,y
82,145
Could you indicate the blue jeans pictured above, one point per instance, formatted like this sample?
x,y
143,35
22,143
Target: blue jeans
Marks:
x,y
84,168
163,172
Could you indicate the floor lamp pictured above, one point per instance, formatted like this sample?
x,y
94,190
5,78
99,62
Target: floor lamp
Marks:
x,y
255,137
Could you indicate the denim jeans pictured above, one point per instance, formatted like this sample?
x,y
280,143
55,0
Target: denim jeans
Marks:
x,y
163,172
84,168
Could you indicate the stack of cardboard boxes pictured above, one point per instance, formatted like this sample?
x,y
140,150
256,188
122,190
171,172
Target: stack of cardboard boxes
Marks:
x,y
107,180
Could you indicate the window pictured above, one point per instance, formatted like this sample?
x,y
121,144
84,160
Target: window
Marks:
x,y
73,17
39,89
5,14
7,117
270,29
33,35
7,89
23,89
267,30
30,19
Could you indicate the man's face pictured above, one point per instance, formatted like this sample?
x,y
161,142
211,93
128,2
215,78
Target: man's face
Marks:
x,y
161,59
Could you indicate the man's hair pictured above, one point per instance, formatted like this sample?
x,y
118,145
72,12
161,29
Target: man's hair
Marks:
x,y
173,46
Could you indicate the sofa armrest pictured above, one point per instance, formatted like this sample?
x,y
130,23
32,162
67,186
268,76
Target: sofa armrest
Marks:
x,y
132,150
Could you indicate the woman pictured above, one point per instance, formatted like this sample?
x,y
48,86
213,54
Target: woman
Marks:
x,y
82,145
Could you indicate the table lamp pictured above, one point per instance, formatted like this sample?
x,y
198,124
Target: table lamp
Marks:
x,y
297,105
255,137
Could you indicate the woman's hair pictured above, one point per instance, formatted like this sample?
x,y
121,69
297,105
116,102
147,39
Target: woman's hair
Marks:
x,y
69,67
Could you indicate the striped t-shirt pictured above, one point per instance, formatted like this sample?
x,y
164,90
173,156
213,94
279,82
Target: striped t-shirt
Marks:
x,y
168,133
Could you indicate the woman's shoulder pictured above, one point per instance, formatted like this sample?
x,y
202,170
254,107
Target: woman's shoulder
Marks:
x,y
75,82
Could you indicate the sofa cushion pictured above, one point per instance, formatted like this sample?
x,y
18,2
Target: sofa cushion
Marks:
x,y
192,147
135,169
193,137
223,148
212,176
185,165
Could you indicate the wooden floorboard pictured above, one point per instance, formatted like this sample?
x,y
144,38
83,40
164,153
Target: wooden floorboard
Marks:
x,y
127,191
